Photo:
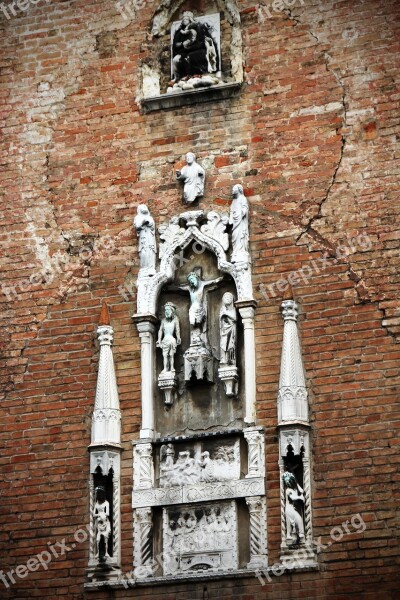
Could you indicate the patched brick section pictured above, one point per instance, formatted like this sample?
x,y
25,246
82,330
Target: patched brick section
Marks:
x,y
312,138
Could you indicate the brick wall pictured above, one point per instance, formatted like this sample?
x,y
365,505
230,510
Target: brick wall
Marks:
x,y
312,138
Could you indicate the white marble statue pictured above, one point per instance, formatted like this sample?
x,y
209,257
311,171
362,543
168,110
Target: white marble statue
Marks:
x,y
193,177
294,520
198,289
101,513
239,219
227,324
145,228
169,337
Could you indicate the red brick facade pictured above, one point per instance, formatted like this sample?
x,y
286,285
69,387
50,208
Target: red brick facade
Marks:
x,y
312,137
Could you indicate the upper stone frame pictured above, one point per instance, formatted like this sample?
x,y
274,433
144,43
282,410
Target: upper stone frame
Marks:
x,y
149,285
151,95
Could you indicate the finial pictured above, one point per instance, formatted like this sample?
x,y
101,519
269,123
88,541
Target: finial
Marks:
x,y
288,293
104,315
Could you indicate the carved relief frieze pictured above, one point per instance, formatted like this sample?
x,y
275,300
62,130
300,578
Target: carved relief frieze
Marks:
x,y
223,463
200,537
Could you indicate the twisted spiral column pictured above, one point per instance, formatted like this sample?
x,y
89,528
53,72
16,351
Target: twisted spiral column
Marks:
x,y
307,499
283,503
116,513
92,548
258,555
143,541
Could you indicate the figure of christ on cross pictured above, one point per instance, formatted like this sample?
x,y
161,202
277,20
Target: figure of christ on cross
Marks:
x,y
198,290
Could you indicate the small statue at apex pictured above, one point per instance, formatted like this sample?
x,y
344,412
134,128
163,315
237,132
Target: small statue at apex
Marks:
x,y
193,177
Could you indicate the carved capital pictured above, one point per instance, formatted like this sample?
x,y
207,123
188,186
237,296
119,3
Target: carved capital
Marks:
x,y
290,310
105,335
145,324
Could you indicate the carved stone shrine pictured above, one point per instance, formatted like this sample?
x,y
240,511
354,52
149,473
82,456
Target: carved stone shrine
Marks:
x,y
199,467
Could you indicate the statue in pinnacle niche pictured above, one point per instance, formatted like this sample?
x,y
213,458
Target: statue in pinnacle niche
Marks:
x,y
239,219
194,48
145,228
169,337
101,513
294,496
193,177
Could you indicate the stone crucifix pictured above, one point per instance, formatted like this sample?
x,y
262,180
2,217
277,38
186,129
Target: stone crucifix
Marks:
x,y
198,318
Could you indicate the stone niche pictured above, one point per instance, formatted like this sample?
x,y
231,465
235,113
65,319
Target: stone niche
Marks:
x,y
199,403
159,87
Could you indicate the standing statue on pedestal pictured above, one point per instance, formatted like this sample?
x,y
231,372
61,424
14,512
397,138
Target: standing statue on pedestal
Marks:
x,y
194,49
101,513
193,176
169,337
145,228
228,372
294,495
227,324
239,219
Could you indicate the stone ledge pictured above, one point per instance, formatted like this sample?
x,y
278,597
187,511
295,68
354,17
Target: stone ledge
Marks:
x,y
263,572
177,99
226,490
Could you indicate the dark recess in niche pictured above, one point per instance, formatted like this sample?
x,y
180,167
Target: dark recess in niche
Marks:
x,y
294,464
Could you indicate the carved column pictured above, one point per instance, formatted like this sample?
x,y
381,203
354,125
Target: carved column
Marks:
x,y
258,546
146,327
92,531
283,503
307,500
256,457
143,543
143,477
247,311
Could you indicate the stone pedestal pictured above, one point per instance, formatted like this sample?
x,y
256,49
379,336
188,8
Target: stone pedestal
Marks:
x,y
167,382
229,375
200,363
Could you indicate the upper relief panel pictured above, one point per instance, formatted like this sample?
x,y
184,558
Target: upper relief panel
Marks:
x,y
194,54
